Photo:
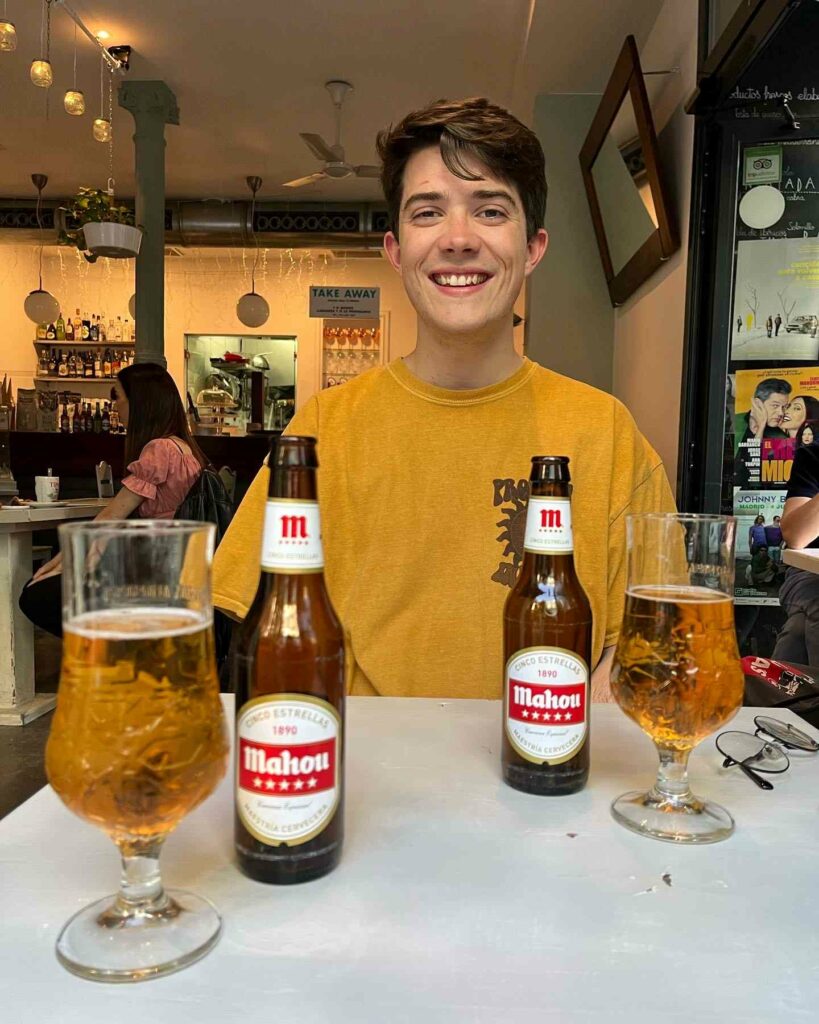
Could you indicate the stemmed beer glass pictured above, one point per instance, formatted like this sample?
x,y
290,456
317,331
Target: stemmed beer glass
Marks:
x,y
676,670
138,738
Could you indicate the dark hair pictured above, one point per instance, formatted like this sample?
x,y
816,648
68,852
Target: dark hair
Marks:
x,y
771,386
808,425
154,410
811,406
467,132
758,520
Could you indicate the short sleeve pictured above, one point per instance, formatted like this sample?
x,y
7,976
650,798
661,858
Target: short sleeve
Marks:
x,y
804,478
151,469
640,485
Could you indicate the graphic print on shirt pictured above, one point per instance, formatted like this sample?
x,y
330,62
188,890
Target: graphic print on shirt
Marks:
x,y
513,498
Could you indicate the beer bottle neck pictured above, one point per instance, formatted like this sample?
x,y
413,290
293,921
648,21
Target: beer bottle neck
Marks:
x,y
548,544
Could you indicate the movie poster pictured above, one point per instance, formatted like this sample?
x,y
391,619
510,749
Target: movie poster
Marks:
x,y
776,300
759,566
775,411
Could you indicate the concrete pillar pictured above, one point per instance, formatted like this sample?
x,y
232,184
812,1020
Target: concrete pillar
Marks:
x,y
152,105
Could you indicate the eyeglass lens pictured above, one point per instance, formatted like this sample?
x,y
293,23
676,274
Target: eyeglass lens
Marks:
x,y
784,733
753,751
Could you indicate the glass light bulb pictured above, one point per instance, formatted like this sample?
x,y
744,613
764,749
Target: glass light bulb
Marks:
x,y
252,309
41,307
8,36
41,74
102,129
74,102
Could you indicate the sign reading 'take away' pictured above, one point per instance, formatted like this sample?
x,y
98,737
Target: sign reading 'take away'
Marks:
x,y
344,302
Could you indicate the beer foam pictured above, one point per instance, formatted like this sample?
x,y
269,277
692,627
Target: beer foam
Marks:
x,y
145,623
676,594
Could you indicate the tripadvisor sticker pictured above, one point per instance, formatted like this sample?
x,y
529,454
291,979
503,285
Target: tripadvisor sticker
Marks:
x,y
762,165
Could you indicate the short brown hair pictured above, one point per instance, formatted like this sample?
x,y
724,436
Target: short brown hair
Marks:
x,y
467,131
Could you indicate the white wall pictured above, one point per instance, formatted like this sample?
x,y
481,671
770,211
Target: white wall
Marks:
x,y
570,322
648,328
201,290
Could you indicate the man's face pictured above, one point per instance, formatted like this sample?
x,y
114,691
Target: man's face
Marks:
x,y
463,253
775,408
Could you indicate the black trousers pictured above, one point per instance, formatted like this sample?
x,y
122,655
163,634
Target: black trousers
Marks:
x,y
42,603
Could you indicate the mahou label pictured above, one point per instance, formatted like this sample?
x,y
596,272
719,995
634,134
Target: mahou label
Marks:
x,y
549,526
292,536
545,700
287,772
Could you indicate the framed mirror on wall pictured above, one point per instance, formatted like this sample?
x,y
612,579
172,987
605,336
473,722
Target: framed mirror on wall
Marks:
x,y
633,222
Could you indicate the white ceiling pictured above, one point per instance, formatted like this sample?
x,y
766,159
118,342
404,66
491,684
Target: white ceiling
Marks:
x,y
248,76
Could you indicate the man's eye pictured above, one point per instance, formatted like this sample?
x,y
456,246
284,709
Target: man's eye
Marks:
x,y
493,214
424,214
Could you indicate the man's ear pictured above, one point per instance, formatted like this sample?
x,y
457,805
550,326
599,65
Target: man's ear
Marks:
x,y
535,250
392,249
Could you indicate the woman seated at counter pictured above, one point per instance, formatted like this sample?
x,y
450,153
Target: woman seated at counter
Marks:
x,y
163,463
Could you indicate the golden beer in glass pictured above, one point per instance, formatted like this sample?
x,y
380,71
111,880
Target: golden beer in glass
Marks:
x,y
676,671
138,738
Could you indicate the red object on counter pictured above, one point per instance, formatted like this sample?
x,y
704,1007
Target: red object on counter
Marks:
x,y
777,673
233,357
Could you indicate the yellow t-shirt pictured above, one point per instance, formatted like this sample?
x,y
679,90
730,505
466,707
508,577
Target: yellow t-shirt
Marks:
x,y
423,503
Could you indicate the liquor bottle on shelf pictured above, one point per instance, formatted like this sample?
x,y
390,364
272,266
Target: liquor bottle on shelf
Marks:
x,y
69,329
116,364
76,418
71,363
60,327
51,332
93,330
65,426
106,363
114,418
109,334
97,420
62,366
41,332
52,364
118,329
97,364
77,326
86,327
101,332
106,420
127,330
42,363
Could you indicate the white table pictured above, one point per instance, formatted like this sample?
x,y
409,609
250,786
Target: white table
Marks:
x,y
802,558
18,701
457,898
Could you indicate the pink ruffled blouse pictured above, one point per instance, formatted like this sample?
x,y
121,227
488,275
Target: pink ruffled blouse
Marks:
x,y
162,475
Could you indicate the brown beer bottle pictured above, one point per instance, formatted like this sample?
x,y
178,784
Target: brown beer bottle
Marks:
x,y
289,682
547,639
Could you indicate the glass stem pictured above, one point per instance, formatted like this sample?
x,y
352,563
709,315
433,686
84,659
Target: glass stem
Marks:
x,y
672,775
141,891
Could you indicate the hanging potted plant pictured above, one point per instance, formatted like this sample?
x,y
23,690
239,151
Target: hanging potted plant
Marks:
x,y
99,227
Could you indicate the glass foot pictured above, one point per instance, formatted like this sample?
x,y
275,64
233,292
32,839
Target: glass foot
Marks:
x,y
107,941
681,819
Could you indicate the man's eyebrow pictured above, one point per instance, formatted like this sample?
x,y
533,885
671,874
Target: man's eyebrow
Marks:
x,y
423,197
480,194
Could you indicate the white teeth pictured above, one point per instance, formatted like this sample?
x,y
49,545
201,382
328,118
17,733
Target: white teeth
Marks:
x,y
459,280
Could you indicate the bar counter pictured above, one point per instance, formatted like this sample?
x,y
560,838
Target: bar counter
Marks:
x,y
72,457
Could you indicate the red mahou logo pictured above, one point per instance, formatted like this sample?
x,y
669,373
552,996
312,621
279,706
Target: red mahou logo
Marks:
x,y
293,768
294,527
550,519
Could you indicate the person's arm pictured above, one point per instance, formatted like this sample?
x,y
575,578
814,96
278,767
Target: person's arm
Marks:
x,y
601,678
800,517
800,521
119,507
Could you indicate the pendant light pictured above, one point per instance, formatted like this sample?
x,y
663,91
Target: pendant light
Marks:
x,y
101,129
40,306
74,101
8,33
252,309
41,73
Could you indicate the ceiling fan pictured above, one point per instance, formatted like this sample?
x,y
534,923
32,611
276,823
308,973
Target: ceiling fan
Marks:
x,y
335,166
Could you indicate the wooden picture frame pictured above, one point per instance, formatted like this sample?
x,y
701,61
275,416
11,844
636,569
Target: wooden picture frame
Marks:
x,y
627,80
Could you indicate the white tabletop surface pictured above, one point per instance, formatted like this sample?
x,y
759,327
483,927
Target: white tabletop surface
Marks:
x,y
53,512
457,898
802,558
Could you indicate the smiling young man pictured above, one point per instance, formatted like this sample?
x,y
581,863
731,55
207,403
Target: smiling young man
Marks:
x,y
424,463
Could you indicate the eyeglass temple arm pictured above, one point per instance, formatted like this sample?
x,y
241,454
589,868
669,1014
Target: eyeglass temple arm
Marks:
x,y
752,775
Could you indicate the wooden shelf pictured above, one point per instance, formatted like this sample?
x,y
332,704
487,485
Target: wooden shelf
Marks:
x,y
84,344
75,380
